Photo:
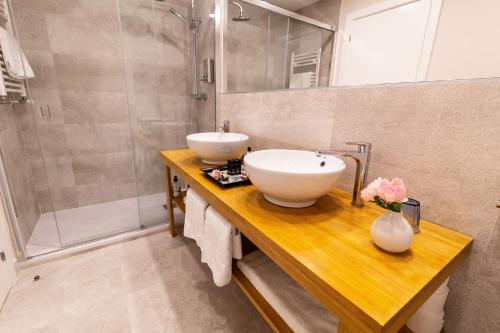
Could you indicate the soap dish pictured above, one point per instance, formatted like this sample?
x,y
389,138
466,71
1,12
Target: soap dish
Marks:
x,y
230,181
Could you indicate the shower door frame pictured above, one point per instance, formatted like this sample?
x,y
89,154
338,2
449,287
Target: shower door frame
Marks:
x,y
221,29
7,201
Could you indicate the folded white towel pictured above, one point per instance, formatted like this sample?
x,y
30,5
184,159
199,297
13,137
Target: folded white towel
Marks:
x,y
194,220
221,242
430,317
16,63
302,312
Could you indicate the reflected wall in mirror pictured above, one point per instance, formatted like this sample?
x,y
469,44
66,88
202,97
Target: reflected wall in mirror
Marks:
x,y
372,42
425,40
268,47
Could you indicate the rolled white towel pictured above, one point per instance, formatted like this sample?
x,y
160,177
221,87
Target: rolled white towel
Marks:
x,y
430,317
301,311
423,323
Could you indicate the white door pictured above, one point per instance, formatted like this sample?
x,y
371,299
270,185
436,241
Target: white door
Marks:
x,y
7,265
388,42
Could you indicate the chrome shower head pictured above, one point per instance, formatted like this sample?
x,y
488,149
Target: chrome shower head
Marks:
x,y
180,16
242,17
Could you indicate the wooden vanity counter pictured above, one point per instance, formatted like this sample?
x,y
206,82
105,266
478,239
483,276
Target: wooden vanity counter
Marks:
x,y
328,250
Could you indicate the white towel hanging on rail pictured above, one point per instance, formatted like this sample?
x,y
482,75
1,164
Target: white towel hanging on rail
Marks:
x,y
16,63
221,243
194,220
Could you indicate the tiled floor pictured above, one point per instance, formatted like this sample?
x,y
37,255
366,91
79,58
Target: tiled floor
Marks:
x,y
95,221
151,284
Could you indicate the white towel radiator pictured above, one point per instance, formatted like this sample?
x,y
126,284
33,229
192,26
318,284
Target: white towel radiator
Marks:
x,y
302,60
11,89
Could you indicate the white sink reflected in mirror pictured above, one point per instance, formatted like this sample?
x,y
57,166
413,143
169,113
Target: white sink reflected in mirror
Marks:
x,y
293,178
216,148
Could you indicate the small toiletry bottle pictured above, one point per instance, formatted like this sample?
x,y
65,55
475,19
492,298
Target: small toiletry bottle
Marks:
x,y
234,167
176,187
243,171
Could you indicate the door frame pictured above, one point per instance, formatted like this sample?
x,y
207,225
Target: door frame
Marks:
x,y
429,35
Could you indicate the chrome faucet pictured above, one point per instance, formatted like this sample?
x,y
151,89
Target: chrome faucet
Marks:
x,y
361,155
224,127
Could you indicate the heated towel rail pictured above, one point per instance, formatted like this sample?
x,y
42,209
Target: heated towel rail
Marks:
x,y
12,90
300,68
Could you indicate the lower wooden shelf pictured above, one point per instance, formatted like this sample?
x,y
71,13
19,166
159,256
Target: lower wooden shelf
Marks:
x,y
267,312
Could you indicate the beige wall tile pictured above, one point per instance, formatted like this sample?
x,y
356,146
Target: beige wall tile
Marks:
x,y
60,172
33,36
52,140
137,25
93,36
43,62
75,72
96,107
17,166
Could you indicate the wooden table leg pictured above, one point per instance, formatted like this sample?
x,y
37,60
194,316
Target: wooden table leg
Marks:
x,y
343,329
170,201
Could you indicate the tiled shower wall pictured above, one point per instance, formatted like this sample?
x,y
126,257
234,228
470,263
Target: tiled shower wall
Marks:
x,y
441,137
115,76
17,167
206,43
246,50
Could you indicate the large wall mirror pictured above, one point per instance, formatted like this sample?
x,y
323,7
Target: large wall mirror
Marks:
x,y
296,44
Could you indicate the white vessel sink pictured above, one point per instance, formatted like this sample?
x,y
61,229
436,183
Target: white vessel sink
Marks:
x,y
217,148
293,178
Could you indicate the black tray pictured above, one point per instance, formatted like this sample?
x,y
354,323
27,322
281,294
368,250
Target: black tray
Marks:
x,y
233,180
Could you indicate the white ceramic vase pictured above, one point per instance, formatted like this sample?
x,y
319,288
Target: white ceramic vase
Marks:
x,y
392,232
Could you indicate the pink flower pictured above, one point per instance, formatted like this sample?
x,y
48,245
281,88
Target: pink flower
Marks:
x,y
390,191
216,174
370,191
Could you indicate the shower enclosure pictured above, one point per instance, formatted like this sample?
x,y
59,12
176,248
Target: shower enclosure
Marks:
x,y
116,82
114,85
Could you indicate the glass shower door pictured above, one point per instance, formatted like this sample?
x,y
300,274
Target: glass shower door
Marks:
x,y
114,81
157,56
86,147
277,51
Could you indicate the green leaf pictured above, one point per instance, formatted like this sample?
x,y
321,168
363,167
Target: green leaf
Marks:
x,y
394,206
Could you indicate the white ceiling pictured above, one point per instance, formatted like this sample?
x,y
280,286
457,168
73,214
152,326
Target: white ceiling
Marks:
x,y
292,5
